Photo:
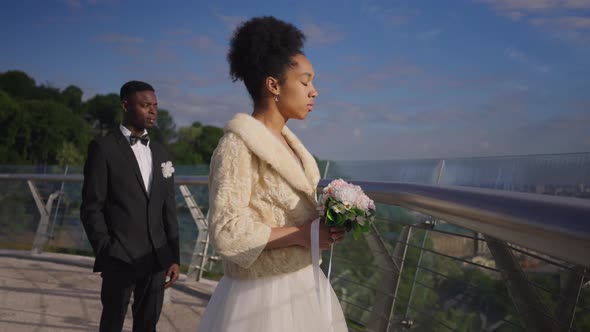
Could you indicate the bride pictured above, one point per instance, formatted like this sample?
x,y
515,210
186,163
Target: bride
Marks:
x,y
262,194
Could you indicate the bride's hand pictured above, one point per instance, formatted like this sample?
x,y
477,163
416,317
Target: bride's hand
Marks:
x,y
328,235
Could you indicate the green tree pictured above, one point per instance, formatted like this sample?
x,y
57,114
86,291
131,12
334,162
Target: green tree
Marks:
x,y
17,84
22,87
104,113
43,125
43,128
207,143
47,92
164,131
11,118
69,155
72,98
195,144
183,151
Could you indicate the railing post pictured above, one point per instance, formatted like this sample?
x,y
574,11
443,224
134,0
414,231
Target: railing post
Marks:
x,y
440,168
44,211
50,233
566,307
326,169
426,232
381,319
199,258
525,298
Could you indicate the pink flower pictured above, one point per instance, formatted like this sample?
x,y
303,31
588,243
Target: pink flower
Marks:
x,y
348,194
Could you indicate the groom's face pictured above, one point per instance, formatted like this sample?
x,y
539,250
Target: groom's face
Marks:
x,y
141,109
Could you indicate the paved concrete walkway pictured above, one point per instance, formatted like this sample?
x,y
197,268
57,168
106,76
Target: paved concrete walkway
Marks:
x,y
55,292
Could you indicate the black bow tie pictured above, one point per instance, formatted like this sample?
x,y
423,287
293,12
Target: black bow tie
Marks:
x,y
144,139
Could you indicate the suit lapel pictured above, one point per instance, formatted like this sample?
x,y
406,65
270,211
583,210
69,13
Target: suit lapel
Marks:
x,y
156,171
125,149
268,148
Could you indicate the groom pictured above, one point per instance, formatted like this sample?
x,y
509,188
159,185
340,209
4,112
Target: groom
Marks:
x,y
129,214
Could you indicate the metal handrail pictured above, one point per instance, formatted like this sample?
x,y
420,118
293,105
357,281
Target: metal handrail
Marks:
x,y
556,226
179,179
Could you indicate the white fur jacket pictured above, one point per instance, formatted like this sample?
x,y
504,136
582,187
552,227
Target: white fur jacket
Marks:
x,y
255,184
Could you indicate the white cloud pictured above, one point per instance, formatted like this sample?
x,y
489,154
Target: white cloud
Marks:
x,y
510,122
384,12
563,19
204,43
565,22
525,136
520,57
515,54
357,132
396,72
535,7
184,96
430,34
73,3
578,4
78,4
119,39
229,21
323,34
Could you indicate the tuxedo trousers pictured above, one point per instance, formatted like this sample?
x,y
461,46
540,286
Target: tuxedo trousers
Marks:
x,y
119,282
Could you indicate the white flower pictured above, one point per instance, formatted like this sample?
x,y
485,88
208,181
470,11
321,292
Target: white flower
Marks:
x,y
346,195
361,220
167,169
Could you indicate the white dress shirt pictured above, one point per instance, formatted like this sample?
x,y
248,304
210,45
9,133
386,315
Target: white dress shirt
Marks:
x,y
143,155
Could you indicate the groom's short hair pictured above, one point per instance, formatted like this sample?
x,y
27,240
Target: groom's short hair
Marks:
x,y
130,88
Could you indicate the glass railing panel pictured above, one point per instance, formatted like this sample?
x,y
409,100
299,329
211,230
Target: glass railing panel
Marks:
x,y
187,229
19,216
450,281
415,171
562,174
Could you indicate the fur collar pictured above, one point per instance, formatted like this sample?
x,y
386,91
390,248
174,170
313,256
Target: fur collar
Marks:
x,y
268,148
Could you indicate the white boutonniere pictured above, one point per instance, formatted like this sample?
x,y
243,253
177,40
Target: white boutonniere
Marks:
x,y
167,169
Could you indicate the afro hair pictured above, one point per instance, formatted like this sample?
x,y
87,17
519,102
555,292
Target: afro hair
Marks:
x,y
262,47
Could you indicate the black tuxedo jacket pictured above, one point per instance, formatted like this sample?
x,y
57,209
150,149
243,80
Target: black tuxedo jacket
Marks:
x,y
124,223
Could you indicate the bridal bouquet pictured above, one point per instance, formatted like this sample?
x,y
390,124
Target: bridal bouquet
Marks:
x,y
346,205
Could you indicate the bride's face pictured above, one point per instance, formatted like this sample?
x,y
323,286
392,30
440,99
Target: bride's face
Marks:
x,y
297,92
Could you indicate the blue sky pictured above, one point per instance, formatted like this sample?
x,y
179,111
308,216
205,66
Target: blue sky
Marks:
x,y
397,79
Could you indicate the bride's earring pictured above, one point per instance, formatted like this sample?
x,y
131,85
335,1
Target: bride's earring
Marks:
x,y
276,98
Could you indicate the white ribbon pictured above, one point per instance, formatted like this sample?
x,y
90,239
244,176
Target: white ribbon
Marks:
x,y
315,257
315,253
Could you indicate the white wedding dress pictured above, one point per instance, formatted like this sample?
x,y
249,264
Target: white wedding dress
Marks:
x,y
283,303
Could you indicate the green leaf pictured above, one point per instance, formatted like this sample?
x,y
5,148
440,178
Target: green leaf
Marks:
x,y
329,215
